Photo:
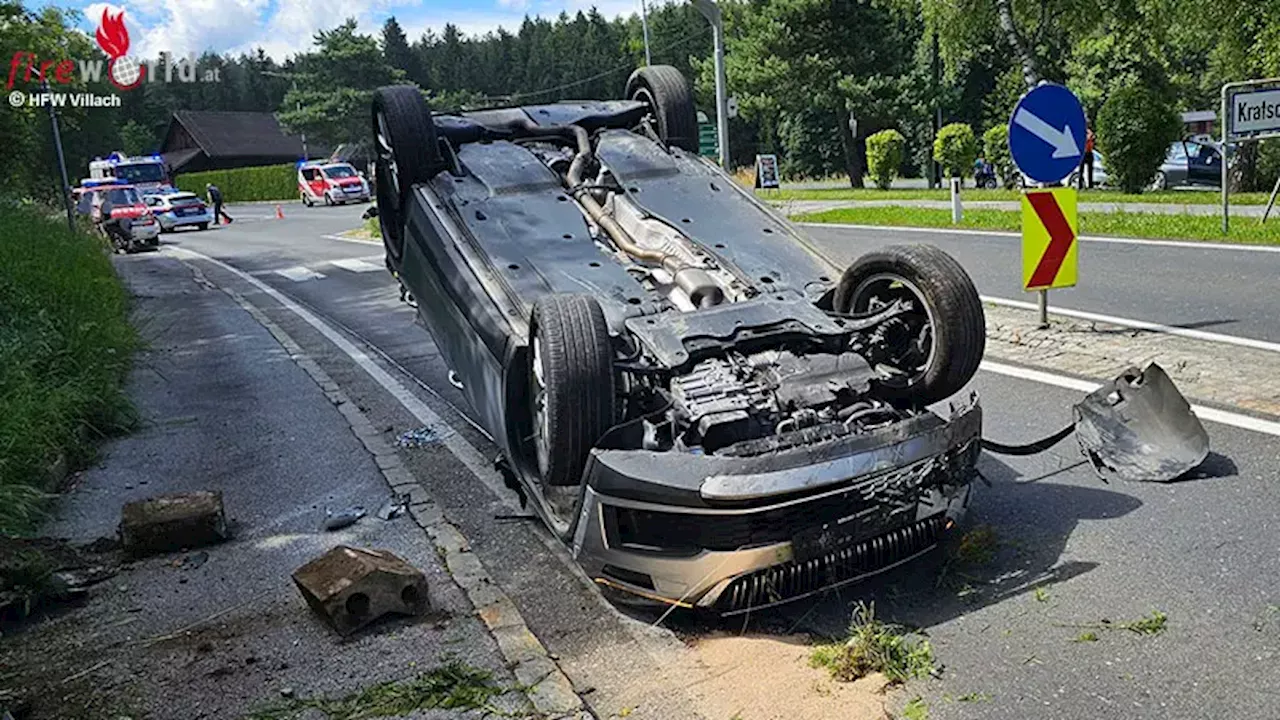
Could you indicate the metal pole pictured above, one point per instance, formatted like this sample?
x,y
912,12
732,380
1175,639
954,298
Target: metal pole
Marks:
x,y
1044,309
298,107
711,12
957,212
62,161
1226,201
644,24
1271,202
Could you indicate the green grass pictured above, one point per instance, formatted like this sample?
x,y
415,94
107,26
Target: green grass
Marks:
x,y
875,646
1172,197
65,346
1119,224
915,709
453,686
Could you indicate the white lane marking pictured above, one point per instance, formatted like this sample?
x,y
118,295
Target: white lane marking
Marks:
x,y
1141,325
340,238
300,273
1244,422
466,453
357,265
1196,245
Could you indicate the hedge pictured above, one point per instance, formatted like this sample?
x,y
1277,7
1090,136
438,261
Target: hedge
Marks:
x,y
270,182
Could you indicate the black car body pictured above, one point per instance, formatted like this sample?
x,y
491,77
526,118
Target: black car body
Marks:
x,y
692,398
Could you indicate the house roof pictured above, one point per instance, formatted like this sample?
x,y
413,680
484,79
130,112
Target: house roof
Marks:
x,y
238,134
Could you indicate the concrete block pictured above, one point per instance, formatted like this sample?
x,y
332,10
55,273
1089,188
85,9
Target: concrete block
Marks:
x,y
351,587
173,522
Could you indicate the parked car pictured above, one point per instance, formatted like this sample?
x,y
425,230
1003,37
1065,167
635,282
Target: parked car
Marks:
x,y
179,209
1189,163
688,394
119,213
1100,178
331,183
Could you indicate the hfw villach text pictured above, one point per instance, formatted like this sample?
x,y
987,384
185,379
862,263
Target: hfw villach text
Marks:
x,y
124,71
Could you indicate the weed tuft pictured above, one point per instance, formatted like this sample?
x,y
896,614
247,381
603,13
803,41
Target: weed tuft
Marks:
x,y
453,686
915,709
1152,624
874,646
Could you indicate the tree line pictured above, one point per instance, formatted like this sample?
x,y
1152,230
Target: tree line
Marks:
x,y
801,70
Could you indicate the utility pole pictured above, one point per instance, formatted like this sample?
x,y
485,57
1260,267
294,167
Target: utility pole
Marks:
x,y
297,105
62,161
711,11
935,169
644,25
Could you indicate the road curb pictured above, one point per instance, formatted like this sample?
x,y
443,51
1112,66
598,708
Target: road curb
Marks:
x,y
548,688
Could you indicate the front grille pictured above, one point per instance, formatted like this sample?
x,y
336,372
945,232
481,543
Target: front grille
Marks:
x,y
792,581
879,503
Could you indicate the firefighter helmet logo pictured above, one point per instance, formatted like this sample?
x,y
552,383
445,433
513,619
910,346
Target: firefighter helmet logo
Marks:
x,y
124,72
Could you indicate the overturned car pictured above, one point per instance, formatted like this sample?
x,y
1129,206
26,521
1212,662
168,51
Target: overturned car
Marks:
x,y
691,398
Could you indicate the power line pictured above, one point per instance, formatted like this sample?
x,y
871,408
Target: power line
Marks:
x,y
511,99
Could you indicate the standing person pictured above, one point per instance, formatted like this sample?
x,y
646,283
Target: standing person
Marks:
x,y
215,199
1086,162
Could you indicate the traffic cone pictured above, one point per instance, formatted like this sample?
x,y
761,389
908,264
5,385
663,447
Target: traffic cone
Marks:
x,y
279,213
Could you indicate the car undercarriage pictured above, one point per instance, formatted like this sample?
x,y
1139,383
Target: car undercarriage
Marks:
x,y
706,411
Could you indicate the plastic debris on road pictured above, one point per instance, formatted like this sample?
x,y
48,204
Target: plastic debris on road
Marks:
x,y
394,507
343,518
418,437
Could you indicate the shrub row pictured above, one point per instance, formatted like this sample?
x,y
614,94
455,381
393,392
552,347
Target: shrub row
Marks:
x,y
271,182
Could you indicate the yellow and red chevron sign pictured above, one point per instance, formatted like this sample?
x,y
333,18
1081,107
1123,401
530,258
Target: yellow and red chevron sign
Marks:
x,y
1050,251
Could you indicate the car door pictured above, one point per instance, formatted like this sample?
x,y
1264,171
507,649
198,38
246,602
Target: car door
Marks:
x,y
1203,165
1175,165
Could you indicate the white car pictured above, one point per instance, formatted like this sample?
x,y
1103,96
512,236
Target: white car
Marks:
x,y
180,209
331,183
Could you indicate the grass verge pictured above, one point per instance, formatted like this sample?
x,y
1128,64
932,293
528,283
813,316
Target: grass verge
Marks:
x,y
1164,197
875,646
1118,224
453,686
65,346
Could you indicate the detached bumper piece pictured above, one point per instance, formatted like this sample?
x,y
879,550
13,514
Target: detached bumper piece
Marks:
x,y
795,580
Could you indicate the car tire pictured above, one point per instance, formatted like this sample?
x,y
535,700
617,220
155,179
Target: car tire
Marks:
x,y
328,200
666,91
571,384
407,153
1160,181
202,226
931,277
306,200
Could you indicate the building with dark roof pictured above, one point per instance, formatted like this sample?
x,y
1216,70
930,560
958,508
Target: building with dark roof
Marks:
x,y
219,140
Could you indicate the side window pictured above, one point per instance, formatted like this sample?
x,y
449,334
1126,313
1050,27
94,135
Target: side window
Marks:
x,y
1177,152
309,174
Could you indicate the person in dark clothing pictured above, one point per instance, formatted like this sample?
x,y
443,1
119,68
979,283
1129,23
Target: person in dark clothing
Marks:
x,y
1085,174
215,199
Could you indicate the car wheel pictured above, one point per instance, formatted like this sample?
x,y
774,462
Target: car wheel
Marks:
x,y
666,91
202,226
408,152
571,384
306,200
933,351
328,201
1160,182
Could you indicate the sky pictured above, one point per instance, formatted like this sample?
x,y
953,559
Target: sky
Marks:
x,y
285,27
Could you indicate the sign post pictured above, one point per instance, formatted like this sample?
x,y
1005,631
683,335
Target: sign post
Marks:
x,y
1046,139
1250,111
767,172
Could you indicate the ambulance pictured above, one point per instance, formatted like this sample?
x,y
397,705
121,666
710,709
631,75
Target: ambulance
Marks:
x,y
332,183
147,172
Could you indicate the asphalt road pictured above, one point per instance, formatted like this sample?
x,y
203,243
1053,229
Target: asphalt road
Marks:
x,y
1226,289
1204,551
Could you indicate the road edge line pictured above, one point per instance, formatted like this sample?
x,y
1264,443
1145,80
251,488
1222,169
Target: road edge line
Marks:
x,y
1191,244
548,687
1140,325
1222,417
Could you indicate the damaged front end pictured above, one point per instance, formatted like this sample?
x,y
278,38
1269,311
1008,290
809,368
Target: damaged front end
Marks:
x,y
738,531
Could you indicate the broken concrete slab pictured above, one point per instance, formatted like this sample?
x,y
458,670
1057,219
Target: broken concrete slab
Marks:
x,y
352,587
173,522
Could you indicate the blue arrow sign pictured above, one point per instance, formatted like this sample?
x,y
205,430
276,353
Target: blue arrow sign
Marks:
x,y
1046,133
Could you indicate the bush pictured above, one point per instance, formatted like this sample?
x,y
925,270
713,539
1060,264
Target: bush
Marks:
x,y
270,182
65,346
955,148
1134,129
995,145
884,156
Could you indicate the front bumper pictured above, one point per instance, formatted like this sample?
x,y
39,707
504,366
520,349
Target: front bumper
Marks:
x,y
735,534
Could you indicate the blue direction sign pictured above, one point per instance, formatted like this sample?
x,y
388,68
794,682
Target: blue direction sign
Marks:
x,y
1046,133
